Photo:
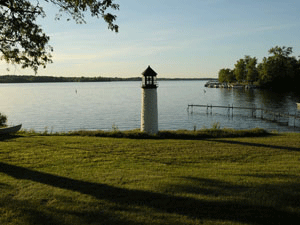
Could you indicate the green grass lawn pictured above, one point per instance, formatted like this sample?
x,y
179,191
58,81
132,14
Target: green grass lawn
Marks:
x,y
99,180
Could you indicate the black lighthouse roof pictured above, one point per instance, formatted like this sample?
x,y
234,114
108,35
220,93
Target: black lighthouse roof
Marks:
x,y
149,72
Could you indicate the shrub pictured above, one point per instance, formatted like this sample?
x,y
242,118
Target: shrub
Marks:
x,y
3,120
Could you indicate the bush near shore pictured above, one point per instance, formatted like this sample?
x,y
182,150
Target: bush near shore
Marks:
x,y
164,134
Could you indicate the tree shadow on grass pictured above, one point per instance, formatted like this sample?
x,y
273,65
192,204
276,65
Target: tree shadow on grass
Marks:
x,y
2,185
5,137
285,194
34,213
208,187
237,211
256,144
30,212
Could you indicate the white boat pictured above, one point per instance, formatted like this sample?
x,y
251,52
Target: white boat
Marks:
x,y
10,130
298,105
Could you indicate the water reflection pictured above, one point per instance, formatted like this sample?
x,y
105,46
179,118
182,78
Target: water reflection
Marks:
x,y
243,119
283,102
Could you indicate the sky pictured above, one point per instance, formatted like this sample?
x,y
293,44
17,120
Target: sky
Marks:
x,y
177,38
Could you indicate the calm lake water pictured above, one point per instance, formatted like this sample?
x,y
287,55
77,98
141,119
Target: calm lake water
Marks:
x,y
60,107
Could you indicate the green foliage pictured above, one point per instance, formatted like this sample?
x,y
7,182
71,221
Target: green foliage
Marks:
x,y
22,41
281,51
3,120
251,70
245,70
278,71
115,128
226,76
240,70
216,126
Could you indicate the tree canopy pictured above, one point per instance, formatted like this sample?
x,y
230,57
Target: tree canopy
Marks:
x,y
22,40
278,71
226,76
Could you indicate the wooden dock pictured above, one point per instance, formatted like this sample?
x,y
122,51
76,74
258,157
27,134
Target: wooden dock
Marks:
x,y
261,113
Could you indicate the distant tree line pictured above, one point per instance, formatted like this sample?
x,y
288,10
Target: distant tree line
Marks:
x,y
44,79
278,71
50,79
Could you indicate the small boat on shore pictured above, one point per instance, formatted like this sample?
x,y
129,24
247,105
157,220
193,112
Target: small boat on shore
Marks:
x,y
212,84
10,130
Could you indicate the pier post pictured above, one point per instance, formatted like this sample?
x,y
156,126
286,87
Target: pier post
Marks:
x,y
228,110
254,111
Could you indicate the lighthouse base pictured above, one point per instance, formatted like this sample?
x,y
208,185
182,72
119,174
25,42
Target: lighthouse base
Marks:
x,y
149,113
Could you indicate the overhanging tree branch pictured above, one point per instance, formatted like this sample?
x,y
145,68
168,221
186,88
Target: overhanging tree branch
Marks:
x,y
23,42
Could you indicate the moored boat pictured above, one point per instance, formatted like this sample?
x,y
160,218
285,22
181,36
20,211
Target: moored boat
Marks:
x,y
10,130
212,84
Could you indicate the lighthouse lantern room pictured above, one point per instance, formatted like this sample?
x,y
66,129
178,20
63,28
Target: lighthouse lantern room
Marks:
x,y
149,78
149,113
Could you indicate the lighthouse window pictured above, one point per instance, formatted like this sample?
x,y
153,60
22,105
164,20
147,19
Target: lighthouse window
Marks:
x,y
149,81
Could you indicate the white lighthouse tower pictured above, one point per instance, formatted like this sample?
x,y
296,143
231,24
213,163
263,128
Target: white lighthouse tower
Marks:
x,y
149,115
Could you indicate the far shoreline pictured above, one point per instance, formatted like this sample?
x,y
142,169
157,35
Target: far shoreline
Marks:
x,y
4,79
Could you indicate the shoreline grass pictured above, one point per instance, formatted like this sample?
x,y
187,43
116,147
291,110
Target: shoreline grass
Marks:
x,y
164,134
78,179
